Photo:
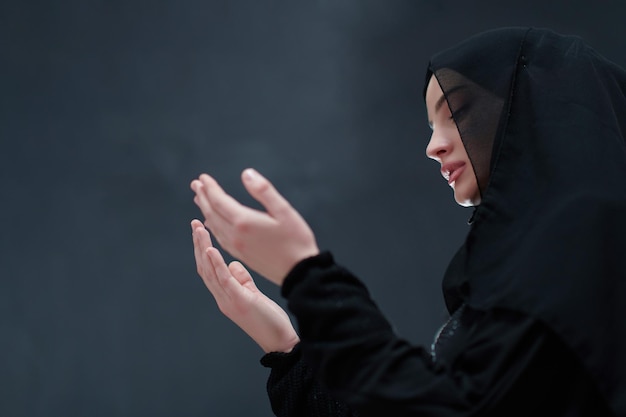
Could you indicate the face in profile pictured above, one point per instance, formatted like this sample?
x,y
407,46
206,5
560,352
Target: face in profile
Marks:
x,y
446,147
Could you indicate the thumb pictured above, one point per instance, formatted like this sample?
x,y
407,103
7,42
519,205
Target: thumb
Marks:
x,y
264,192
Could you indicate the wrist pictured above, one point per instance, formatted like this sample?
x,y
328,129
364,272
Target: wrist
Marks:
x,y
283,347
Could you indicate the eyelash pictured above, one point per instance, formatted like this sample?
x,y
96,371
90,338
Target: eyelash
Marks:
x,y
459,113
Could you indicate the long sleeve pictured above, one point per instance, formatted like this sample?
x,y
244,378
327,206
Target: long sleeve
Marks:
x,y
294,391
498,362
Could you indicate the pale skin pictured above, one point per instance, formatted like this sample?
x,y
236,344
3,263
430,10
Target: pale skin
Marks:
x,y
269,242
273,241
446,147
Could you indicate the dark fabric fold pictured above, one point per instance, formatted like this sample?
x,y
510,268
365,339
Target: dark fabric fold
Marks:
x,y
492,363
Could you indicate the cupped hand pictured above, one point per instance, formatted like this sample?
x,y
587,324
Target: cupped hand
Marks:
x,y
270,242
239,299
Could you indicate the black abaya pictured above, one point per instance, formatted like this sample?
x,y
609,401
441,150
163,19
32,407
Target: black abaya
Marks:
x,y
496,363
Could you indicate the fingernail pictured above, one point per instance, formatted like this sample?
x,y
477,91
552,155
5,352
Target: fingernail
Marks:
x,y
250,174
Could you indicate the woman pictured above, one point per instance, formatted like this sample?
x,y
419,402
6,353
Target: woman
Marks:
x,y
529,127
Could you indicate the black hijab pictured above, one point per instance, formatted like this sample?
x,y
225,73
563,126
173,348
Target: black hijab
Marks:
x,y
543,119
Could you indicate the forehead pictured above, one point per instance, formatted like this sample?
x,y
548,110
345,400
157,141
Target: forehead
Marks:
x,y
433,90
434,97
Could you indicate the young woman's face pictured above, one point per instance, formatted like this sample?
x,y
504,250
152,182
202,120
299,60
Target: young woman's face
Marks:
x,y
446,147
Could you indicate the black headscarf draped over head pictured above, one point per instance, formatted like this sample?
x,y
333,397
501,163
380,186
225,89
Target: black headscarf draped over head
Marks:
x,y
543,119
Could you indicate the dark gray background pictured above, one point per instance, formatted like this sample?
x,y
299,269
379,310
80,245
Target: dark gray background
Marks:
x,y
110,108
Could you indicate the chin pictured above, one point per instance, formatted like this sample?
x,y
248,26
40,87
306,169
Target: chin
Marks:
x,y
466,201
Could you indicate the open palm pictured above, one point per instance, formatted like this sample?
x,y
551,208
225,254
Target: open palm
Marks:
x,y
238,297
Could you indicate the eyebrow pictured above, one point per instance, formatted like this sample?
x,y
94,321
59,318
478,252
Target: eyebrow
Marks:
x,y
440,102
442,99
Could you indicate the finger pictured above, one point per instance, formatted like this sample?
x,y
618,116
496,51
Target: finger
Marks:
x,y
194,185
226,207
197,249
216,223
240,273
204,238
212,220
205,268
264,192
201,199
229,284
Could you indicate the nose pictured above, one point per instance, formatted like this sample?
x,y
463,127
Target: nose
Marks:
x,y
438,146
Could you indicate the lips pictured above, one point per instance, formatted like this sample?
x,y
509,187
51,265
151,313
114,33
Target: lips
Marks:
x,y
451,171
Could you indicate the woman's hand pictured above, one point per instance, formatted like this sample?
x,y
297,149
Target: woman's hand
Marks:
x,y
271,242
239,299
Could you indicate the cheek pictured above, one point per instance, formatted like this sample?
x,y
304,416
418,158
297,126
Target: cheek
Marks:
x,y
455,137
473,190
